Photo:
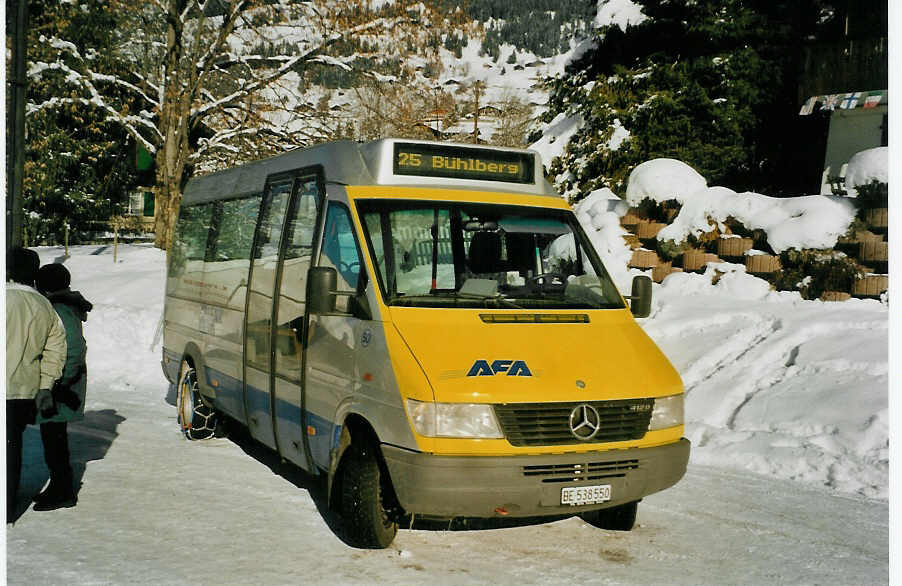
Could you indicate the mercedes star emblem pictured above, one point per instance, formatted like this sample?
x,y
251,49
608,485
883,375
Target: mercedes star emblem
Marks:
x,y
584,422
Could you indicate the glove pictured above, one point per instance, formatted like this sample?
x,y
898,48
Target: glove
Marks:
x,y
66,396
44,402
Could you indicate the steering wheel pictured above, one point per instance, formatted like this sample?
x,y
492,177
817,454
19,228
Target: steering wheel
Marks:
x,y
546,278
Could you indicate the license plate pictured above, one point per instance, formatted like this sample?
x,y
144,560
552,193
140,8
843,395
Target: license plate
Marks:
x,y
585,495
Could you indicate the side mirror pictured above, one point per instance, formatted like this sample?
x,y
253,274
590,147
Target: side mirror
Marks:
x,y
321,283
640,300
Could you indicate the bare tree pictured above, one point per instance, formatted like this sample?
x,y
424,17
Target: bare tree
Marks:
x,y
218,79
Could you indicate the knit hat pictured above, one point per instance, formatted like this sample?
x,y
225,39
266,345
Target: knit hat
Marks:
x,y
52,277
22,265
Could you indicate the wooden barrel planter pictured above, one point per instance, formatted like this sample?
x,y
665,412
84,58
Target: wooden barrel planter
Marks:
x,y
851,245
870,286
873,251
762,264
632,241
649,230
835,296
644,259
877,219
630,220
664,270
874,254
697,260
733,247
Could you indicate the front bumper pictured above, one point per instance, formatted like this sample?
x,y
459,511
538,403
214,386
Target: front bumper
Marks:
x,y
528,486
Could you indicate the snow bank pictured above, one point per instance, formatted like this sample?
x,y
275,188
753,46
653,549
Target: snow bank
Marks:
x,y
599,214
775,384
867,166
813,221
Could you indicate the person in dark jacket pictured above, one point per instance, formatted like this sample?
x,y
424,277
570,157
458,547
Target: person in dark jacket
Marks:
x,y
35,353
69,392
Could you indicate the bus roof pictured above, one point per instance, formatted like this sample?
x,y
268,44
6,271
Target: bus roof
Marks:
x,y
390,161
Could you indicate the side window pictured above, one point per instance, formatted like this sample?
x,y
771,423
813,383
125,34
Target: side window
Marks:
x,y
229,252
373,221
301,229
271,223
195,229
191,233
340,247
235,236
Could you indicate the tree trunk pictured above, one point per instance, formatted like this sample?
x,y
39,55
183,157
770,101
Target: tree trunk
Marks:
x,y
174,112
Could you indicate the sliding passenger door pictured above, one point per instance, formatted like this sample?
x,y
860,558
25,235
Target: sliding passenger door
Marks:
x,y
291,318
258,332
274,318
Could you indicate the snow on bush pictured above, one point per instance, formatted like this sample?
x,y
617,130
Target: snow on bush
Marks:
x,y
867,166
556,136
813,221
621,13
663,179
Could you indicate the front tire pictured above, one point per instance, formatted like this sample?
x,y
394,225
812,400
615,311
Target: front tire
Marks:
x,y
197,420
619,518
367,522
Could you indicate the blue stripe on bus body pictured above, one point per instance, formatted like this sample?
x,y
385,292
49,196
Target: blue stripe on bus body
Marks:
x,y
325,435
229,393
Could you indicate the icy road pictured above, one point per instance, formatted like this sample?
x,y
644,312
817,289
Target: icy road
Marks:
x,y
792,390
158,510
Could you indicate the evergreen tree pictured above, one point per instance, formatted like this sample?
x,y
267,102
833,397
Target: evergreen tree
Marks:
x,y
79,167
710,82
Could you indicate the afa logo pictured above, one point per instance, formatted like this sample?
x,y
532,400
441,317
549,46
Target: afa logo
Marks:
x,y
511,367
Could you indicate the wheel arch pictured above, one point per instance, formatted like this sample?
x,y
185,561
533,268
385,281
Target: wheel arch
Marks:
x,y
356,429
193,355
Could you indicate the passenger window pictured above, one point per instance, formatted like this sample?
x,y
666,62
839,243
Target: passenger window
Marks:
x,y
271,222
191,233
235,236
194,227
340,247
301,230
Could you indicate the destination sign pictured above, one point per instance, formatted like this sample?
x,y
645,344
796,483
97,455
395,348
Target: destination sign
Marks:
x,y
456,162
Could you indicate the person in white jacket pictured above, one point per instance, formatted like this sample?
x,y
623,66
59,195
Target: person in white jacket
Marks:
x,y
35,355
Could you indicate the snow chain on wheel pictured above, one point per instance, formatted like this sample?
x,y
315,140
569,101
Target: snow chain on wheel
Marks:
x,y
367,521
197,419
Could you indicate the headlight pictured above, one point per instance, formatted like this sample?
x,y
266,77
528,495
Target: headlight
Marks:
x,y
453,419
668,412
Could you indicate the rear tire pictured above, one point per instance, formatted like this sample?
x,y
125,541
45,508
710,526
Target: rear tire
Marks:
x,y
197,420
619,518
367,521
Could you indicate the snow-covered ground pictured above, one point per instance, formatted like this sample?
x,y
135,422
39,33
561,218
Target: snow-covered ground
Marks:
x,y
786,408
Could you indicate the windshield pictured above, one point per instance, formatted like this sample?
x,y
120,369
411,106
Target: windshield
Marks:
x,y
448,254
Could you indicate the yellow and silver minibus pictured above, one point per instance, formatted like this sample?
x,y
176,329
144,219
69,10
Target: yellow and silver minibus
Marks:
x,y
426,325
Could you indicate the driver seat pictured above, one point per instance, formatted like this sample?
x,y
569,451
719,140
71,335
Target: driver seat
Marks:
x,y
484,255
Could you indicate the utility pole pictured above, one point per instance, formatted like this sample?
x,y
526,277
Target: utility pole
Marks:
x,y
15,130
478,86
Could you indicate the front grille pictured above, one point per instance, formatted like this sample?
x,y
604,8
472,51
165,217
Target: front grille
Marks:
x,y
548,424
581,472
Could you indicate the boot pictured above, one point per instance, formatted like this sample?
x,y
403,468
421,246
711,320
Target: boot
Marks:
x,y
55,498
48,492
